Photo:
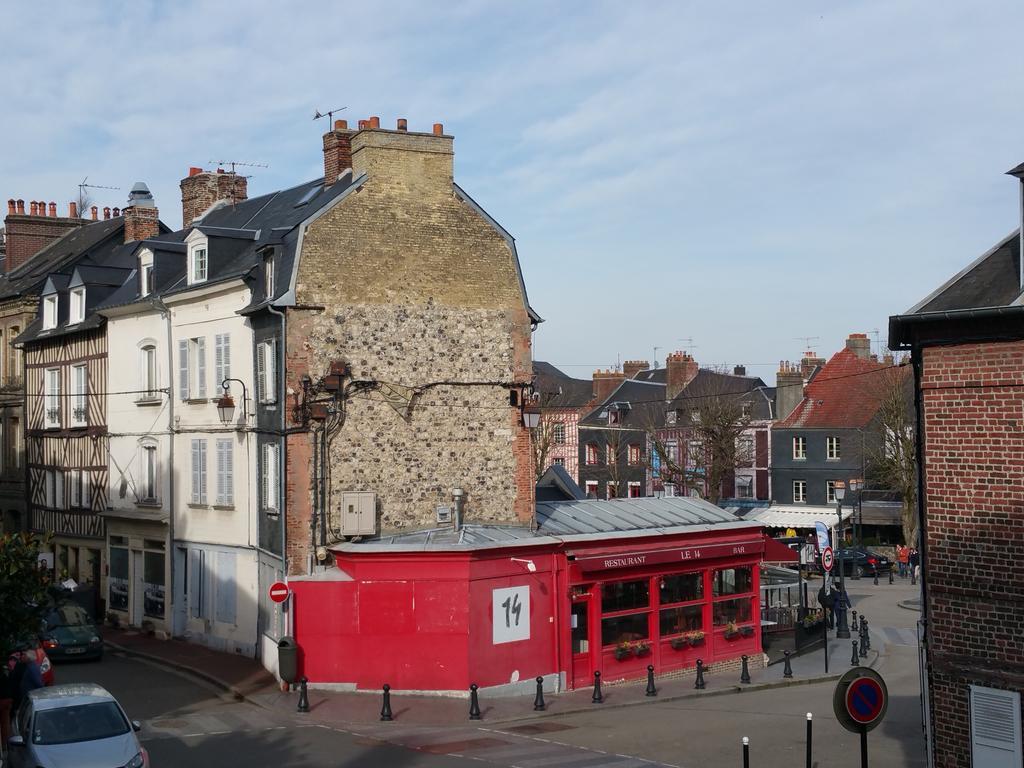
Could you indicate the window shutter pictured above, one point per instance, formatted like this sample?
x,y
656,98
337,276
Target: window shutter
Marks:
x,y
76,488
183,369
86,489
270,494
201,367
272,371
226,588
59,488
226,344
195,583
202,471
225,472
995,727
218,360
261,372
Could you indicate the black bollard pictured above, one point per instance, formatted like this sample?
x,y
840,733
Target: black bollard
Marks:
x,y
700,676
876,577
385,711
474,703
890,576
854,625
854,660
303,695
744,672
746,752
538,702
864,646
810,732
913,576
651,690
867,634
598,697
787,670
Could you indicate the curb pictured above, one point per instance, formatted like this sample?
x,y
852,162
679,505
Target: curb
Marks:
x,y
905,605
178,666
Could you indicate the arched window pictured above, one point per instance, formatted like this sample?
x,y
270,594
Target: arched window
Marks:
x,y
149,385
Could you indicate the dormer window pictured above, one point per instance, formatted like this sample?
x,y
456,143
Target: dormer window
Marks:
x,y
77,308
268,277
197,263
49,312
145,273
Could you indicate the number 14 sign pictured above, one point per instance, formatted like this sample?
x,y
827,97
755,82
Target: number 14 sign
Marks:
x,y
511,611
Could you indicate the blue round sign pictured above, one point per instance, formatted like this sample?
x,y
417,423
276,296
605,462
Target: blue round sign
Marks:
x,y
865,700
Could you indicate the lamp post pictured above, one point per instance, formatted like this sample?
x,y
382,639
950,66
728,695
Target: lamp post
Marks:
x,y
226,403
842,630
855,486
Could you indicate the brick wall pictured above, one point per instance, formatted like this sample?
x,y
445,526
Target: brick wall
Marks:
x,y
27,235
416,288
974,475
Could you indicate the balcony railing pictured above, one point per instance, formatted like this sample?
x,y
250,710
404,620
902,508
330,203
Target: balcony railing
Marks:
x,y
78,414
53,417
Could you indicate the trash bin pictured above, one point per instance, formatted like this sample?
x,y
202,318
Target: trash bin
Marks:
x,y
287,659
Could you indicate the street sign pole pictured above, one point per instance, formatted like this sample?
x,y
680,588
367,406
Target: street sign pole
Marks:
x,y
860,701
863,746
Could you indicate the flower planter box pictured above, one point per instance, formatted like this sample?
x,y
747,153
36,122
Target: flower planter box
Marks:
x,y
731,635
623,654
641,652
696,641
747,631
679,643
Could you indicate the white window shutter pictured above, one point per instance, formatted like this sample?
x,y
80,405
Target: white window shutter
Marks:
x,y
201,367
195,471
202,471
271,364
218,360
995,728
59,486
261,372
229,472
226,362
183,369
86,489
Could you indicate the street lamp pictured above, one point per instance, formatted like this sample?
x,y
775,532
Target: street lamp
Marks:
x,y
842,630
858,530
226,403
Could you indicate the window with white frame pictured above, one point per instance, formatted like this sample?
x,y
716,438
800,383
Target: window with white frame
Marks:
x,y
268,276
633,453
670,489
558,461
694,449
145,273
58,489
799,448
670,417
79,395
15,354
52,399
148,371
221,358
830,491
799,491
192,368
75,487
197,264
744,487
86,489
271,473
745,449
266,371
591,454
49,312
76,305
590,486
225,473
49,488
611,489
610,453
672,451
634,489
149,492
198,472
558,433
832,448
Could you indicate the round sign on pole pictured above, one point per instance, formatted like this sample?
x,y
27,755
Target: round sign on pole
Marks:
x,y
279,592
826,559
860,699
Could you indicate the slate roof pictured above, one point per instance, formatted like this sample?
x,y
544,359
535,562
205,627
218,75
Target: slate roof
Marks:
x,y
558,389
565,521
557,485
991,280
708,383
844,395
657,375
641,406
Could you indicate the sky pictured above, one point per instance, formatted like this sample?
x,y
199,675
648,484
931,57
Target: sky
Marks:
x,y
723,178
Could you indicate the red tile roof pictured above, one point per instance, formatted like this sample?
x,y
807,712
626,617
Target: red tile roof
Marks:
x,y
843,395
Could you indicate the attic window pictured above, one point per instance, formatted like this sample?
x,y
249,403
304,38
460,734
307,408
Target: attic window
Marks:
x,y
197,264
268,276
49,312
76,312
145,273
310,194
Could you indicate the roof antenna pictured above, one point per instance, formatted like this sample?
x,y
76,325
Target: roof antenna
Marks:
x,y
656,357
807,340
878,343
317,114
689,345
233,163
83,197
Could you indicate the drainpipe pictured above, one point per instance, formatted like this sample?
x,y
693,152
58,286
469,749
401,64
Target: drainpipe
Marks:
x,y
924,636
282,499
157,303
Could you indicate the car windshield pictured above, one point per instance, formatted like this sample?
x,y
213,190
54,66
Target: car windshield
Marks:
x,y
69,615
84,722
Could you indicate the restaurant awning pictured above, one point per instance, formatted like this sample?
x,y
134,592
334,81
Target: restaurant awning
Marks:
x,y
797,516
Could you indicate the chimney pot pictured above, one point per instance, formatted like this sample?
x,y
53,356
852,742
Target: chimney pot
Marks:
x,y
12,208
106,212
95,213
403,124
739,370
21,207
341,125
72,210
362,124
438,129
375,122
53,209
117,211
193,171
34,208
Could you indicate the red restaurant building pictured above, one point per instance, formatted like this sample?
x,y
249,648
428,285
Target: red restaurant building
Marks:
x,y
608,586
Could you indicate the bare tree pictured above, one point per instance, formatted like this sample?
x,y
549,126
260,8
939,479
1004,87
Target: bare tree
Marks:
x,y
891,456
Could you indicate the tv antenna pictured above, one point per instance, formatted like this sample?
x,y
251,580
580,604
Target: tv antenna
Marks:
x,y
689,345
233,163
807,340
878,343
317,114
85,185
656,356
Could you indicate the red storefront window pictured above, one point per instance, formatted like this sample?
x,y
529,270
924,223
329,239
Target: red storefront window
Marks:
x,y
728,582
621,622
682,600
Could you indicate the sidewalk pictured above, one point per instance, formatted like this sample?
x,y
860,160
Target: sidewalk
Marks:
x,y
246,679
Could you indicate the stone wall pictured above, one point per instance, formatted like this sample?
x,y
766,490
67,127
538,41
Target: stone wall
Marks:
x,y
411,286
974,554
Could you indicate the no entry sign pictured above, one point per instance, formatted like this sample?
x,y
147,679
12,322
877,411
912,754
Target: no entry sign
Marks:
x,y
827,559
278,591
860,700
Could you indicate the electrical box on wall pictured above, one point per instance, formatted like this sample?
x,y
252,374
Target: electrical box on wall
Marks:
x,y
444,514
358,513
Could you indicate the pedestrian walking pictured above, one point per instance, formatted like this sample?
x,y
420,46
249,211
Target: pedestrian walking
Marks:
x,y
902,558
914,559
827,599
25,677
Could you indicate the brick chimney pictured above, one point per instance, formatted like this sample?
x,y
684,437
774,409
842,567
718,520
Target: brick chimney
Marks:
x,y
681,369
403,161
337,151
789,388
739,370
27,234
632,367
809,362
860,345
605,383
141,218
201,189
